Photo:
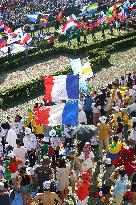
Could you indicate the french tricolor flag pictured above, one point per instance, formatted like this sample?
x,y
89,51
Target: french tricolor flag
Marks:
x,y
27,39
61,87
63,113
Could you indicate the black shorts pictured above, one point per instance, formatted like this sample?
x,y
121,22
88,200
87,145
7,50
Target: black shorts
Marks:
x,y
39,136
105,189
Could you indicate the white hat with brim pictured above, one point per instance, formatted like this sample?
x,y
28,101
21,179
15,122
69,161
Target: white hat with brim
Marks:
x,y
11,155
27,131
108,161
47,184
103,119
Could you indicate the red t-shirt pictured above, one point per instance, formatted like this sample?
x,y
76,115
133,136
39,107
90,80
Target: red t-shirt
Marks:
x,y
83,191
13,167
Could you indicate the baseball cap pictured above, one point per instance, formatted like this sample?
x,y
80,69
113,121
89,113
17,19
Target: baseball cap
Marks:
x,y
108,161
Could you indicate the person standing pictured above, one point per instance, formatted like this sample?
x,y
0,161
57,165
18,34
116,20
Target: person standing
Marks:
x,y
120,185
20,152
4,197
24,183
62,177
104,132
88,108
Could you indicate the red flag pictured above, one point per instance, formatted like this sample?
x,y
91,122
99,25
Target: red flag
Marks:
x,y
7,30
41,115
84,25
60,16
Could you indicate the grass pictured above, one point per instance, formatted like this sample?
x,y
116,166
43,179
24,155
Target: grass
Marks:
x,y
121,63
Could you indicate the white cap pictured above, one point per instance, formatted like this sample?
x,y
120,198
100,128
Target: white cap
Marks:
x,y
103,119
108,161
30,171
116,109
52,133
134,119
11,155
27,131
134,87
47,184
45,139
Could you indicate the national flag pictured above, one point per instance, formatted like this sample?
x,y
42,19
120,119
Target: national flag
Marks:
x,y
43,22
70,23
92,8
12,37
76,65
27,39
126,4
83,85
86,71
62,87
84,25
63,113
32,18
102,18
1,27
7,30
110,18
60,16
19,33
3,42
121,15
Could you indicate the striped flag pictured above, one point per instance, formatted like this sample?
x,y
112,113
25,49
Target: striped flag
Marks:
x,y
7,30
102,18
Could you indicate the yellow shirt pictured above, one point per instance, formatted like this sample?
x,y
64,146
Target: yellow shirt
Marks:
x,y
37,128
125,119
115,115
104,130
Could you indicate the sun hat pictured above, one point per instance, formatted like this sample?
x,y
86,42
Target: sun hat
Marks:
x,y
47,184
11,155
1,186
103,119
27,131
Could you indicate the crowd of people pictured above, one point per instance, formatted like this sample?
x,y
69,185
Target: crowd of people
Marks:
x,y
47,165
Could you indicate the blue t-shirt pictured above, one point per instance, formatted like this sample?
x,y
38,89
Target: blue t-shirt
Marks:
x,y
120,186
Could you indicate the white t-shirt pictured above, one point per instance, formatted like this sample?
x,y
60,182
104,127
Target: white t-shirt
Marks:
x,y
55,142
30,142
11,138
87,163
20,152
96,109
82,117
133,134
